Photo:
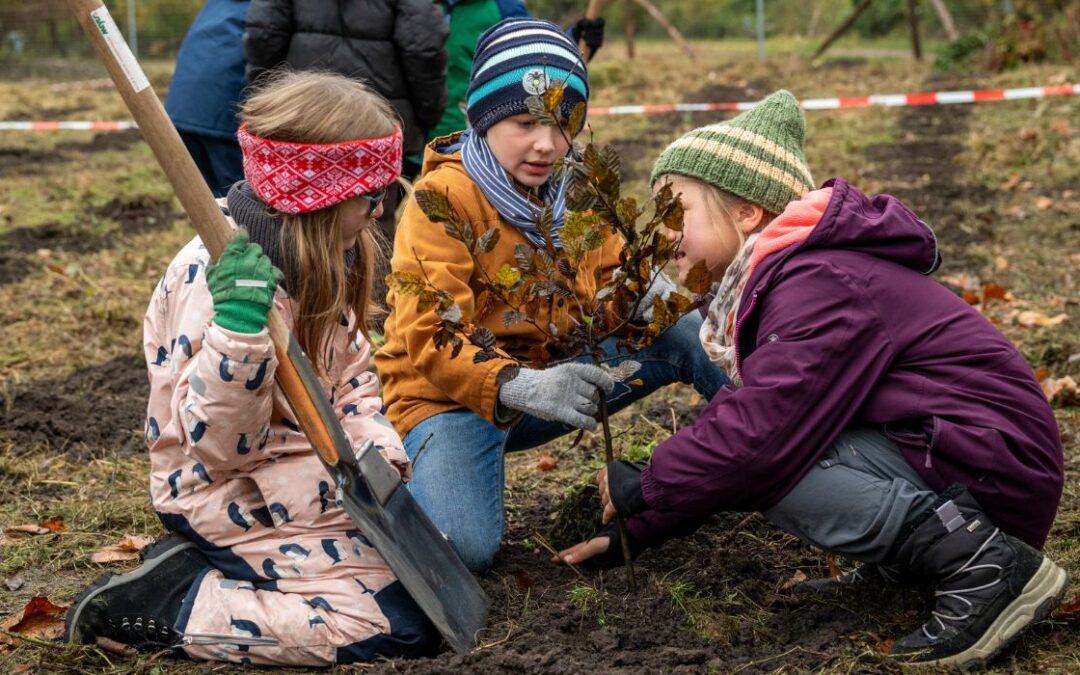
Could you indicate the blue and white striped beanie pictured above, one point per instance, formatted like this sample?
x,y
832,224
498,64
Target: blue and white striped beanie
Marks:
x,y
517,58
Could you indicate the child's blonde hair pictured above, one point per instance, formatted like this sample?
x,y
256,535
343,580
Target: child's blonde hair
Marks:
x,y
320,108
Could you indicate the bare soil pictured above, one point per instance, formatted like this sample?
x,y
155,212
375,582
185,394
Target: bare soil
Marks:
x,y
71,436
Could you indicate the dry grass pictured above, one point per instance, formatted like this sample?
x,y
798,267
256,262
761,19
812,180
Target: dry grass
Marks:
x,y
72,307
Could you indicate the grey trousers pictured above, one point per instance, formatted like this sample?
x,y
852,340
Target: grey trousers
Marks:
x,y
856,498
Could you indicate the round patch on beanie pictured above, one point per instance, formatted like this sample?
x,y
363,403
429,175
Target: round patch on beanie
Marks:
x,y
535,82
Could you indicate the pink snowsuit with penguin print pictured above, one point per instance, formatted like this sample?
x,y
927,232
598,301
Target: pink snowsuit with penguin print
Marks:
x,y
293,581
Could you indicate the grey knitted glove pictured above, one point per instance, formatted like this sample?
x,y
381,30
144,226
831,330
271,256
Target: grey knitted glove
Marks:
x,y
661,286
566,393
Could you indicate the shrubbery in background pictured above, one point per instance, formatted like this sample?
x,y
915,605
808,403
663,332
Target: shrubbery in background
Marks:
x,y
1038,32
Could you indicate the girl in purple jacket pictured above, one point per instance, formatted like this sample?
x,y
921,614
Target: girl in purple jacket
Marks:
x,y
872,412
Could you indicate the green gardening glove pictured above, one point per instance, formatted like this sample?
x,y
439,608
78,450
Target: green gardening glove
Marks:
x,y
242,283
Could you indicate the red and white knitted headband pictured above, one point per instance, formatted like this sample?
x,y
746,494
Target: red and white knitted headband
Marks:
x,y
303,177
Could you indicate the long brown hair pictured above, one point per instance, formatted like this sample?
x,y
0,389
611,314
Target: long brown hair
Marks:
x,y
313,107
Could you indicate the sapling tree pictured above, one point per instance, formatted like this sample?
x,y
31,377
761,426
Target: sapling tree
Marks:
x,y
543,277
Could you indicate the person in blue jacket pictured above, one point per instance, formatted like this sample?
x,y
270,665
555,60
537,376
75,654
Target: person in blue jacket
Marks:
x,y
206,89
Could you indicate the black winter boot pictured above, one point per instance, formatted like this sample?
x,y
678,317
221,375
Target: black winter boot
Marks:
x,y
989,585
139,608
865,576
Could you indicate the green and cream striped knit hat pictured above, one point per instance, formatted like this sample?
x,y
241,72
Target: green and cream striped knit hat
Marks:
x,y
757,156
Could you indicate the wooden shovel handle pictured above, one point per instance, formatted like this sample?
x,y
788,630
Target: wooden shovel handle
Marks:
x,y
195,196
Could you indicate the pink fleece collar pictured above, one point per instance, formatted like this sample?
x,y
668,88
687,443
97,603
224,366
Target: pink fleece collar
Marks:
x,y
792,226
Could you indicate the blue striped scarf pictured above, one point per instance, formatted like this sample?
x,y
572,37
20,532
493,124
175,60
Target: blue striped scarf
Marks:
x,y
495,183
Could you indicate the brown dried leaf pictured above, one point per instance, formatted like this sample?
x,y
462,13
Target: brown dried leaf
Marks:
x,y
1061,390
993,291
39,619
971,297
435,205
1032,318
488,240
1044,203
1068,609
27,529
1041,373
547,462
111,554
794,581
54,524
406,283
553,97
698,278
522,581
885,646
1011,182
834,569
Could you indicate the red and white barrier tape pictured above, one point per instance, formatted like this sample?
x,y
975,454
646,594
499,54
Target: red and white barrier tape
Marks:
x,y
119,125
884,100
887,100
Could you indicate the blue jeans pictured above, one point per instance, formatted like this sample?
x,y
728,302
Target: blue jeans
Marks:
x,y
459,477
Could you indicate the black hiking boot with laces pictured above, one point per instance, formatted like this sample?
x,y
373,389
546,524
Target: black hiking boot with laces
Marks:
x,y
988,585
139,608
865,576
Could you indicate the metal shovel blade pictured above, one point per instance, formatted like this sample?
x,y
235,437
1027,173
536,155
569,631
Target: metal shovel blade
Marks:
x,y
420,556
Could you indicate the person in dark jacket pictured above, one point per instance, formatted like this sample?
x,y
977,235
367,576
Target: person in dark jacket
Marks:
x,y
206,88
397,47
873,413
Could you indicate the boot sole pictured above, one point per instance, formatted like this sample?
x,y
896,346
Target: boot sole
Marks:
x,y
1041,595
110,580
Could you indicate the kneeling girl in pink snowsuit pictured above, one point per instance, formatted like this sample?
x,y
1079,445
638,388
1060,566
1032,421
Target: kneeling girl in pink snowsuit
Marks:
x,y
873,413
269,568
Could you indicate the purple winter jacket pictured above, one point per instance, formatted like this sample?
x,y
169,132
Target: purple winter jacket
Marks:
x,y
844,329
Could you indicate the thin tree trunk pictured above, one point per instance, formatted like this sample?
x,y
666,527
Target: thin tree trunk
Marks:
x,y
913,25
946,20
659,17
841,29
630,26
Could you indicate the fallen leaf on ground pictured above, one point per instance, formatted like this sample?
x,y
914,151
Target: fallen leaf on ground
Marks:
x,y
1061,390
27,529
1044,203
547,462
15,583
794,581
1032,318
522,581
39,619
1068,609
1041,373
971,297
834,569
1001,263
54,524
1011,182
885,646
114,647
1061,127
127,549
995,292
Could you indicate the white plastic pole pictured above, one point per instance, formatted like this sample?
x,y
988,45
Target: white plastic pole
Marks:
x,y
132,33
760,29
